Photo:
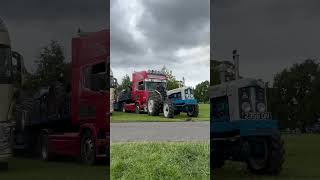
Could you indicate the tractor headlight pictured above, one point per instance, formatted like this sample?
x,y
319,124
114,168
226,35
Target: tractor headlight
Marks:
x,y
261,107
246,107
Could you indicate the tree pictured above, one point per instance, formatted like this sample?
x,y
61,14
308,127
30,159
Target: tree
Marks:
x,y
172,82
201,92
125,83
50,63
296,94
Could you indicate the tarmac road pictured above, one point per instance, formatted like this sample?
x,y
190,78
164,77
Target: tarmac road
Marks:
x,y
160,131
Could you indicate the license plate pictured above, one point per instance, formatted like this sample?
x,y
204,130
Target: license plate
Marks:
x,y
266,115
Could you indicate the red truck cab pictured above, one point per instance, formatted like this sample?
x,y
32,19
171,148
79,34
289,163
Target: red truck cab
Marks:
x,y
89,135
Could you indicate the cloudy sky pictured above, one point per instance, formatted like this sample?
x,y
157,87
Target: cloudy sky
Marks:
x,y
269,34
33,23
148,34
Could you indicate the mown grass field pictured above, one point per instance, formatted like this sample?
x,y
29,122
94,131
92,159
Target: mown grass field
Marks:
x,y
204,115
178,160
34,169
302,162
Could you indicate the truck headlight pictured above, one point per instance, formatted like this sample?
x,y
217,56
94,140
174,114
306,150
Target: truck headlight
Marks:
x,y
246,107
261,107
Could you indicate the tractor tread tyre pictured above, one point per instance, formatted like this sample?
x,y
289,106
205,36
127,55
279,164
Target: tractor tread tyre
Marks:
x,y
275,158
88,159
195,112
157,102
170,113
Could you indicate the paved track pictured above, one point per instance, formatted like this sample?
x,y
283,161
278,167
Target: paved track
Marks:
x,y
160,131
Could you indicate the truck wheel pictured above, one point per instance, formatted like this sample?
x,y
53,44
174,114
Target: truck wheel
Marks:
x,y
168,110
193,111
88,149
137,109
154,103
4,166
271,160
45,155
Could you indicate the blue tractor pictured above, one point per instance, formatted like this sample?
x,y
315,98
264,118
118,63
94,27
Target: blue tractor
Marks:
x,y
184,101
242,129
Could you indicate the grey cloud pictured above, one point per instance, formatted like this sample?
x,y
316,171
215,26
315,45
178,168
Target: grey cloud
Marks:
x,y
166,27
266,32
33,23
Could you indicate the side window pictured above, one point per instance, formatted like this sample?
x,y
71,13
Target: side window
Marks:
x,y
95,77
141,85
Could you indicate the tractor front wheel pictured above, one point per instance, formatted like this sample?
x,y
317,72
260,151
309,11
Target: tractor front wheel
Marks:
x,y
193,111
168,110
266,155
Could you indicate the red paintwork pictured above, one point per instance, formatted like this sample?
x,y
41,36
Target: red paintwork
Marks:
x,y
140,96
91,49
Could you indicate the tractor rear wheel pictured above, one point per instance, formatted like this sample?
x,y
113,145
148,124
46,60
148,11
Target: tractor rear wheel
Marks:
x,y
272,159
193,111
168,109
154,104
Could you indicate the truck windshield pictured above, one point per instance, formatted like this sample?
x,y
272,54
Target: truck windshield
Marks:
x,y
151,86
5,65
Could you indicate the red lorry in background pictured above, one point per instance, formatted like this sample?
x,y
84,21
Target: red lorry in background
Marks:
x,y
71,118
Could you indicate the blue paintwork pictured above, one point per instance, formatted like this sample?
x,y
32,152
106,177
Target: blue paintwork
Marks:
x,y
246,127
183,105
185,102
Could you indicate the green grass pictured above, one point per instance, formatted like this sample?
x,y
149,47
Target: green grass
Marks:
x,y
33,169
302,161
152,160
204,115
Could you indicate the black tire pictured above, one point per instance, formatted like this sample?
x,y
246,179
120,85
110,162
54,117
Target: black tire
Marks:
x,y
137,109
88,149
193,111
154,104
4,166
274,157
44,149
168,109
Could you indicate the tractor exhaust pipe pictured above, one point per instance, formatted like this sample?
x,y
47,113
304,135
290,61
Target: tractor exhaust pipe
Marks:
x,y
235,57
